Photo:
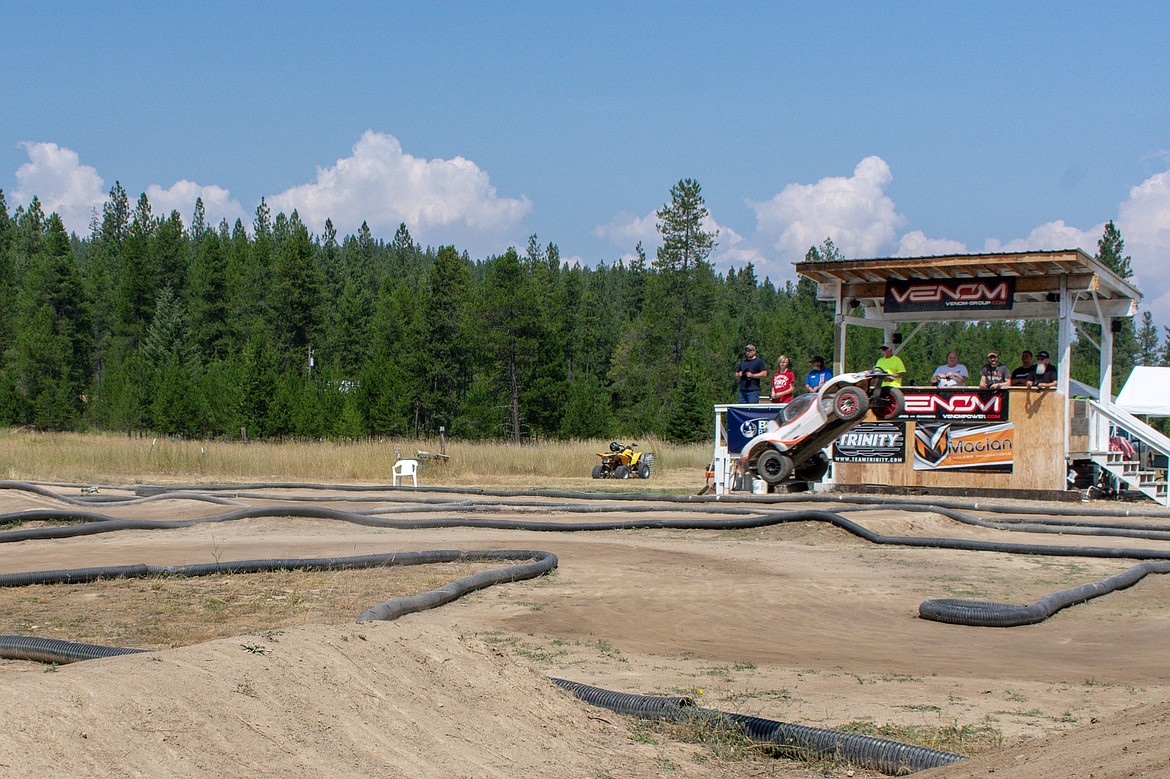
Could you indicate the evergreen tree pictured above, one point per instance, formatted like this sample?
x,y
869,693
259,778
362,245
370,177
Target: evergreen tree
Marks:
x,y
390,382
136,277
1147,341
29,235
297,287
1111,253
509,337
166,337
7,277
251,267
52,352
331,261
690,405
116,216
103,273
170,251
199,227
440,365
208,296
348,345
682,262
587,412
545,391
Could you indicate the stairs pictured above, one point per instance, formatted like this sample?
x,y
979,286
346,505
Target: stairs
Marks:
x,y
1150,482
1135,474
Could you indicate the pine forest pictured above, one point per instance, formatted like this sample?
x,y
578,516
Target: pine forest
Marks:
x,y
170,325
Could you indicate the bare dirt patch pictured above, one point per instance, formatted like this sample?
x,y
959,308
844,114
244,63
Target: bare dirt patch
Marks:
x,y
802,623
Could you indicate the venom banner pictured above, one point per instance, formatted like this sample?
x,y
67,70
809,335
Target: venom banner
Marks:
x,y
990,293
973,405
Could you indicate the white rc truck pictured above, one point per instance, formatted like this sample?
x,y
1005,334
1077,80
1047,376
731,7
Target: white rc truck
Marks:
x,y
791,445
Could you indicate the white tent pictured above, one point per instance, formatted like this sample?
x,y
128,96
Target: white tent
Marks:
x,y
1146,391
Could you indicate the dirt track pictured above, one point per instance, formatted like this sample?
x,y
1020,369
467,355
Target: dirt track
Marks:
x,y
798,622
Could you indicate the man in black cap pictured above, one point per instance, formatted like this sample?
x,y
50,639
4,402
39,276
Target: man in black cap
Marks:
x,y
891,364
1045,373
749,372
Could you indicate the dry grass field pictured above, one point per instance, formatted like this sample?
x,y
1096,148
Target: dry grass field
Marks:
x,y
108,458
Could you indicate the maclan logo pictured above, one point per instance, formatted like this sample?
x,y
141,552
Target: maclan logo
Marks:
x,y
971,292
953,404
978,447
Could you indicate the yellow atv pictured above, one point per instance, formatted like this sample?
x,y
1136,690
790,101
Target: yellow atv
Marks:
x,y
622,462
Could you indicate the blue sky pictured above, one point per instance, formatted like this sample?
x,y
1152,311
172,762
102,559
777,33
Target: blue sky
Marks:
x,y
896,129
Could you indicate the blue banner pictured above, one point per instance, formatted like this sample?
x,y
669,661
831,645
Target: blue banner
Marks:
x,y
744,424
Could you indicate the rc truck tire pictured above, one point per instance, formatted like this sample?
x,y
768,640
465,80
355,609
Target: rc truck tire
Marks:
x,y
850,404
889,403
813,470
774,467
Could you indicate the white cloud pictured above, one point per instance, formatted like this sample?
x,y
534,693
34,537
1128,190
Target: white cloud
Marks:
x,y
1051,235
863,222
854,211
736,251
916,244
56,176
440,201
1144,221
626,230
217,202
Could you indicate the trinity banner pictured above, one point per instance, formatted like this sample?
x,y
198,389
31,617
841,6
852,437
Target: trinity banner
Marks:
x,y
872,442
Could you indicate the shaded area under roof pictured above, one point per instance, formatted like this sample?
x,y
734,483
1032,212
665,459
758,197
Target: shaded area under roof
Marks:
x,y
1040,277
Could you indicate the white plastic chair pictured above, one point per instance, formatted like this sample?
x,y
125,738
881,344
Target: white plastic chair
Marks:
x,y
404,468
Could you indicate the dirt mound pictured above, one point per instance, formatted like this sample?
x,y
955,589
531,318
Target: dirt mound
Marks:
x,y
400,699
1129,744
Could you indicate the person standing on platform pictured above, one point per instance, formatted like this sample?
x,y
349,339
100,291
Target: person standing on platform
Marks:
x,y
749,372
994,375
1045,377
1026,372
891,364
783,381
953,374
818,375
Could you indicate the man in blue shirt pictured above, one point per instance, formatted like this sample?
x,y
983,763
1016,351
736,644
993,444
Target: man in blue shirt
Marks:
x,y
749,372
818,375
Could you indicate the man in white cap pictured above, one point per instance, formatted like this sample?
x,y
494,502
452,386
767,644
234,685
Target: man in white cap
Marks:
x,y
994,374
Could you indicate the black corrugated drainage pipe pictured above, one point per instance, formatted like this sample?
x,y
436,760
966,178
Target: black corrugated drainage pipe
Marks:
x,y
889,757
52,650
541,563
981,613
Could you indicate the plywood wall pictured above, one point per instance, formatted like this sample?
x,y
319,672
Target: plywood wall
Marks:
x,y
1039,462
